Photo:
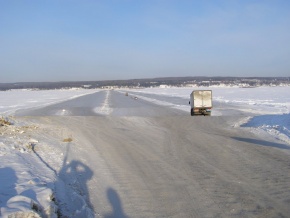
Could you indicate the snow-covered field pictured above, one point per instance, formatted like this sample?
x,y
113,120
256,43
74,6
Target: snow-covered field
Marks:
x,y
21,99
27,184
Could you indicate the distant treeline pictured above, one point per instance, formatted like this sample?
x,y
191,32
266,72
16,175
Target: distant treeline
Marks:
x,y
170,81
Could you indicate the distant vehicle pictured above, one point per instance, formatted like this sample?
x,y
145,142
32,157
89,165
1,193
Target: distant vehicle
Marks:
x,y
201,102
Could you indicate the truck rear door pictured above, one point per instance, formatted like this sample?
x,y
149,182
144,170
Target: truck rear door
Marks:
x,y
202,99
207,99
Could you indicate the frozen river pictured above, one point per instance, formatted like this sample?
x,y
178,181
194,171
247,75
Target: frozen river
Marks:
x,y
143,155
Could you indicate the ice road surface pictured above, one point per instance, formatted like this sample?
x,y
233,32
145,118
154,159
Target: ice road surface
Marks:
x,y
27,184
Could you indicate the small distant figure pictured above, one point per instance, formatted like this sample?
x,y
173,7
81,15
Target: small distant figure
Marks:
x,y
126,94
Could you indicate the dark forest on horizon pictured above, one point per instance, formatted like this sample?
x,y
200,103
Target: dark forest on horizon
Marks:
x,y
153,82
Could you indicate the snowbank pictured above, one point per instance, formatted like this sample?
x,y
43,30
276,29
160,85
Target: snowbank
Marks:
x,y
32,172
277,126
26,184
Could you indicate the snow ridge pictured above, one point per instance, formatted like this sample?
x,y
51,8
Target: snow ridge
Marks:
x,y
277,126
105,109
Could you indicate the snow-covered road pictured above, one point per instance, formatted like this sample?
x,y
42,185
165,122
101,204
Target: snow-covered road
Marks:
x,y
103,103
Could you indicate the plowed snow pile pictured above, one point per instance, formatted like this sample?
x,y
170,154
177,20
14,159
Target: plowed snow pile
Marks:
x,y
26,184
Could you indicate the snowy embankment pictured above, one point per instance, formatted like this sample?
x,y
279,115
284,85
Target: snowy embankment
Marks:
x,y
27,184
267,108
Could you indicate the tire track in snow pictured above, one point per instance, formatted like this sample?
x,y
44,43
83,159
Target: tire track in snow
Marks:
x,y
105,109
158,102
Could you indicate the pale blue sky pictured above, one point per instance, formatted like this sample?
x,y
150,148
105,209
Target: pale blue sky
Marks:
x,y
69,40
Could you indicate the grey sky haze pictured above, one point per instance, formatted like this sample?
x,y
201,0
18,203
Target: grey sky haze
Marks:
x,y
57,40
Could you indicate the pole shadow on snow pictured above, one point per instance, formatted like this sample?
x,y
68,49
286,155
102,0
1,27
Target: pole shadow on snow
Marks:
x,y
263,143
116,204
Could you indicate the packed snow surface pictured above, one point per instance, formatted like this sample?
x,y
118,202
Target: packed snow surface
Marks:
x,y
27,183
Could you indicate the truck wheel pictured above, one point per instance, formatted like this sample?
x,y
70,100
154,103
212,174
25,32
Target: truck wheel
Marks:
x,y
191,112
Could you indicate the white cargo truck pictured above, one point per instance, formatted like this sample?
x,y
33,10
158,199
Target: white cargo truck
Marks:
x,y
201,102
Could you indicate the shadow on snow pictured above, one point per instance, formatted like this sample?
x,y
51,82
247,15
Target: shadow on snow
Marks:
x,y
263,143
116,204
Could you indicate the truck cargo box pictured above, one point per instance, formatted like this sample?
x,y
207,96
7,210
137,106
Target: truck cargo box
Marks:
x,y
201,102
